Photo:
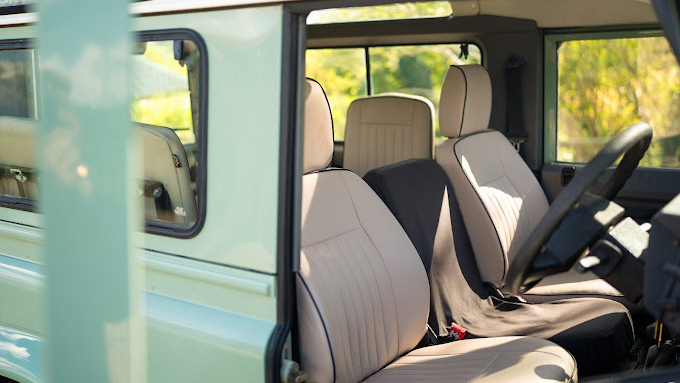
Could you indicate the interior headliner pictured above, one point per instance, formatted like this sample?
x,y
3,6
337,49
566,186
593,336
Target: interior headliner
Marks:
x,y
562,13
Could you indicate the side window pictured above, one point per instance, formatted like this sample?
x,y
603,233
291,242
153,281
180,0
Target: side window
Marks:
x,y
166,99
604,85
411,69
342,73
18,110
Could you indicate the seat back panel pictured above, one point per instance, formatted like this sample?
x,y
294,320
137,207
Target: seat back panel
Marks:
x,y
387,128
367,283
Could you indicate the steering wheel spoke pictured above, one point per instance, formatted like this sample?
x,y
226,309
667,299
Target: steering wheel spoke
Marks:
x,y
591,215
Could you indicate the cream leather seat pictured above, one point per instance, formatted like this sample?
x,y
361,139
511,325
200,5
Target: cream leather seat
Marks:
x,y
362,291
387,128
501,200
166,162
17,157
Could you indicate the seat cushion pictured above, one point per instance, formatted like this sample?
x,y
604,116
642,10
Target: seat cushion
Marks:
x,y
387,128
507,359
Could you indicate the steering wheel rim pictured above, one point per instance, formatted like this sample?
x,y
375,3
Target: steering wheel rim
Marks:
x,y
633,141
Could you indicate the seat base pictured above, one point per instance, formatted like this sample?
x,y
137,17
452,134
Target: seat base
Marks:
x,y
506,359
573,284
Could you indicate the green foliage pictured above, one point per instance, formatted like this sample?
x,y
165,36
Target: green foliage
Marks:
x,y
391,11
169,109
411,69
606,85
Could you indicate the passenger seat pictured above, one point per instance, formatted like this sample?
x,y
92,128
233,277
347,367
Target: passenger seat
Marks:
x,y
363,295
166,185
17,158
165,163
598,332
387,128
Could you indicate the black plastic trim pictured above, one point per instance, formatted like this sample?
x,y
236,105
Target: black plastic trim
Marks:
x,y
290,189
14,10
462,117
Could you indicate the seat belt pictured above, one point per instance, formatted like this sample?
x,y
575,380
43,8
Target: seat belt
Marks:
x,y
515,131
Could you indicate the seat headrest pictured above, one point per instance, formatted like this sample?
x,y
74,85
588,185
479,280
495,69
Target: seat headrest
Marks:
x,y
318,129
465,103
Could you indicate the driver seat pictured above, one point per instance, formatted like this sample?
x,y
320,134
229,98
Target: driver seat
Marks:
x,y
363,295
501,200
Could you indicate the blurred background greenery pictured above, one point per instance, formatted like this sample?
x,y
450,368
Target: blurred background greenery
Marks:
x,y
604,85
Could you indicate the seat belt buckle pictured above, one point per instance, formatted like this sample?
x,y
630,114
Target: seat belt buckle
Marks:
x,y
457,332
516,142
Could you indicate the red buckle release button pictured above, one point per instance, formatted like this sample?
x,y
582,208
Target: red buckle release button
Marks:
x,y
456,332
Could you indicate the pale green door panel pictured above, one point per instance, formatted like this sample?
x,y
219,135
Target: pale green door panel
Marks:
x,y
194,343
244,65
211,299
196,312
22,290
243,128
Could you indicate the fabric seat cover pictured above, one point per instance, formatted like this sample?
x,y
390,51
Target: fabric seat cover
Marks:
x,y
597,332
363,295
387,128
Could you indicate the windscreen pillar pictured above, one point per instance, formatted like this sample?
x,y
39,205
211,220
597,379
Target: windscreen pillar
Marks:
x,y
87,163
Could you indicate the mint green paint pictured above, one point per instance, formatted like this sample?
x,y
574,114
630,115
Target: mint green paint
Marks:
x,y
211,300
244,52
550,76
87,163
21,355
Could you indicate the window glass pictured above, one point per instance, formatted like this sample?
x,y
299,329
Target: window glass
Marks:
x,y
165,102
381,12
606,85
342,73
17,91
418,69
165,97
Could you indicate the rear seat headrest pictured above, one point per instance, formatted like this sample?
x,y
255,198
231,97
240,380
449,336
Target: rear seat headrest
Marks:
x,y
318,129
465,103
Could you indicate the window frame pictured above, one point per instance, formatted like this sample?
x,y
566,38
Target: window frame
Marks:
x,y
367,61
551,42
157,228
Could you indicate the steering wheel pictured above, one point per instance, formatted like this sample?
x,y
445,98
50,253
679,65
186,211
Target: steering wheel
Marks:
x,y
633,141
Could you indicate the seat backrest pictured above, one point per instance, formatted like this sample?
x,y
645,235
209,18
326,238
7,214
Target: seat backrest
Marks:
x,y
17,157
419,194
500,198
362,292
165,162
387,128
